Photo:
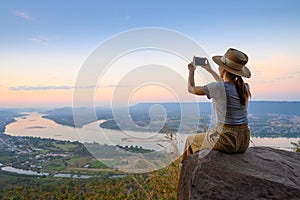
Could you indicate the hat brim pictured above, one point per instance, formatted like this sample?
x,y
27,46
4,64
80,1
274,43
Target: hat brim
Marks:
x,y
244,72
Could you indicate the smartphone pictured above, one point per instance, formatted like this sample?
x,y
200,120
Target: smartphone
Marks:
x,y
198,61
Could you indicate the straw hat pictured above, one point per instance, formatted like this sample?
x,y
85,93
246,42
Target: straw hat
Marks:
x,y
234,61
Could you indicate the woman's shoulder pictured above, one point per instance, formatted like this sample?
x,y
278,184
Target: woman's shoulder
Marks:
x,y
228,84
214,89
216,84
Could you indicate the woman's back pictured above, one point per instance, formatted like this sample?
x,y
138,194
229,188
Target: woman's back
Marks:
x,y
235,112
227,104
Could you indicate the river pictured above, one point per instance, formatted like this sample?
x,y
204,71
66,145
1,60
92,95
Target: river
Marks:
x,y
35,125
22,171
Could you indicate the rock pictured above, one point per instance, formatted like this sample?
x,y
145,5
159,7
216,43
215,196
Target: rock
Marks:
x,y
259,173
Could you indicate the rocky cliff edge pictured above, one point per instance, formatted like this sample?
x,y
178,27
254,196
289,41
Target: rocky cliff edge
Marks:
x,y
260,173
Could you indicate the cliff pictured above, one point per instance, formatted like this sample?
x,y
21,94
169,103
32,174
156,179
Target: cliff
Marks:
x,y
260,173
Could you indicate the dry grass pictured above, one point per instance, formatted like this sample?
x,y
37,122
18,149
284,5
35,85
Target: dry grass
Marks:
x,y
161,184
296,146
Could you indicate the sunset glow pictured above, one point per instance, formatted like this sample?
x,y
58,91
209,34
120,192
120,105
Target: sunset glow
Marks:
x,y
44,47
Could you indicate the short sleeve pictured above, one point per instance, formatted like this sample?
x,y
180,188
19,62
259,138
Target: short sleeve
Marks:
x,y
205,88
214,89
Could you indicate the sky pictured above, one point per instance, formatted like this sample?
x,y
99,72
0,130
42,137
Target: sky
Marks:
x,y
44,44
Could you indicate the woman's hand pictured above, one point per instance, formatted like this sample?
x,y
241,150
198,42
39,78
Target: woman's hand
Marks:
x,y
191,67
207,66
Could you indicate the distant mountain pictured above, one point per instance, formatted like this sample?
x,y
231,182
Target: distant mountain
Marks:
x,y
6,117
275,107
255,107
64,116
140,112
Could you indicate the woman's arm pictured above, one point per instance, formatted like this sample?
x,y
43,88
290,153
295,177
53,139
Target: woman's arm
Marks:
x,y
212,72
198,90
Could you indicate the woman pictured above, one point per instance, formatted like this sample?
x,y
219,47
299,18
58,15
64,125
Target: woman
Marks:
x,y
230,97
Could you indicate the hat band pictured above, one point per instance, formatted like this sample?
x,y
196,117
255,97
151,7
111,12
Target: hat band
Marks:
x,y
231,63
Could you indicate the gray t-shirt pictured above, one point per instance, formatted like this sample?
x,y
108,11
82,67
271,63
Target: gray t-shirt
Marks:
x,y
226,102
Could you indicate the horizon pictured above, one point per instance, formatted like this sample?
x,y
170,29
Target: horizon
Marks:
x,y
44,46
166,102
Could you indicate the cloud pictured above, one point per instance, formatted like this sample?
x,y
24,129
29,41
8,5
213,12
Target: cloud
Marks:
x,y
19,88
35,39
295,74
62,87
23,15
42,39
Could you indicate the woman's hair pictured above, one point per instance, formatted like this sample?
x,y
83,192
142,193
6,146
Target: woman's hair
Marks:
x,y
242,89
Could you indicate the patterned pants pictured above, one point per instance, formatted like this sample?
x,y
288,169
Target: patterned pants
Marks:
x,y
224,137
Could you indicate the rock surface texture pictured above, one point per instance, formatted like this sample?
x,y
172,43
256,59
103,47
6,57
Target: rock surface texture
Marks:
x,y
260,173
